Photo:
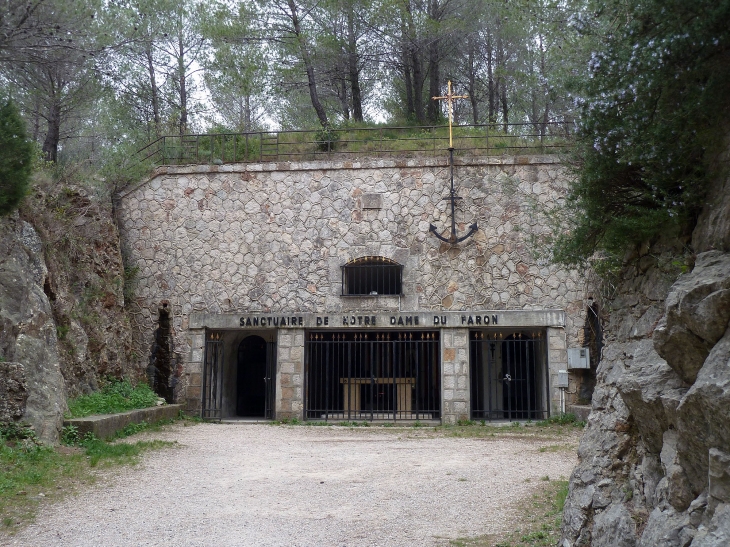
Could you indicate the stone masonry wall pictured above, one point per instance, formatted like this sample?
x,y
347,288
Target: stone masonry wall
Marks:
x,y
455,374
290,354
273,237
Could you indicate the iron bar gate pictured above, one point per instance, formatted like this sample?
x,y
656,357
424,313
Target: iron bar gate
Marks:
x,y
212,397
373,376
270,379
508,375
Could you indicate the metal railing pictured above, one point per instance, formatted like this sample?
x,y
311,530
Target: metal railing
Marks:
x,y
380,142
508,375
372,376
212,392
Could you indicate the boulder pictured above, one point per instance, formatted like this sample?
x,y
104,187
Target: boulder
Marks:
x,y
717,533
703,416
614,528
13,392
697,315
27,328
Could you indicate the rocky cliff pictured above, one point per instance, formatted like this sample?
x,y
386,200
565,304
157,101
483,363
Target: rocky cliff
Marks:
x,y
654,462
63,328
31,386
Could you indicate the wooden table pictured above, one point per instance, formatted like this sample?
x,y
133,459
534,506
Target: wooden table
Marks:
x,y
351,399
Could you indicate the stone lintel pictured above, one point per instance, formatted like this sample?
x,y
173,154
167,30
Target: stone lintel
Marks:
x,y
416,320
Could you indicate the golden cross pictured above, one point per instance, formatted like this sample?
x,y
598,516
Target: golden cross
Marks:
x,y
449,98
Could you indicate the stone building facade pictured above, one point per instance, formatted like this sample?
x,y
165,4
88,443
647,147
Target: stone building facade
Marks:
x,y
244,253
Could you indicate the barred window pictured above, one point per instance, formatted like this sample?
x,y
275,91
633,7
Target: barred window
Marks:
x,y
372,276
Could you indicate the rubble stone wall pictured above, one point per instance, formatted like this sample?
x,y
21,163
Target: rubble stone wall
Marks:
x,y
273,238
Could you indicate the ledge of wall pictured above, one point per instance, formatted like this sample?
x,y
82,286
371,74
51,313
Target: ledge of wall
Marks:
x,y
105,426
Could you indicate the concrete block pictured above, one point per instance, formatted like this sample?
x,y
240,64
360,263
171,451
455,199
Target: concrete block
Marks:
x,y
105,426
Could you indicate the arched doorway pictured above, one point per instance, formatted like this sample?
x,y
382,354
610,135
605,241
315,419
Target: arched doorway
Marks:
x,y
251,378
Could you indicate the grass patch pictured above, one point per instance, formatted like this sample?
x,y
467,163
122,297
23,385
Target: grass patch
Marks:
x,y
563,419
358,140
98,451
115,396
539,520
31,473
551,429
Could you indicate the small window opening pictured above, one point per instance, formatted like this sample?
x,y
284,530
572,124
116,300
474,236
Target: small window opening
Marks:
x,y
372,276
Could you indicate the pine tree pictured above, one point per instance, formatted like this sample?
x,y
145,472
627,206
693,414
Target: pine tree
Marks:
x,y
16,154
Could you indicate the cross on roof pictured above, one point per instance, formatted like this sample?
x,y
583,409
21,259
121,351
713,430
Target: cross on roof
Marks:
x,y
449,98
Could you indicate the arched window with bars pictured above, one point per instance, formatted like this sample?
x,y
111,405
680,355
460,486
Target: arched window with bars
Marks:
x,y
372,276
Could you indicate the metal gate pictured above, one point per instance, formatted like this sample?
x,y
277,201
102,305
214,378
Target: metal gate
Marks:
x,y
373,376
509,376
212,397
270,379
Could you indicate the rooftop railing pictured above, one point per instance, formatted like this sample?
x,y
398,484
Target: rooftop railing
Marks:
x,y
351,143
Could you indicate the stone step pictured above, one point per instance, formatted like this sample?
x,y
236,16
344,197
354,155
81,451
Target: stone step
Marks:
x,y
105,426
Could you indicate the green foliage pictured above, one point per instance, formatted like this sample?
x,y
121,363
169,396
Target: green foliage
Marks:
x,y
562,419
653,102
70,435
30,471
130,278
326,139
98,451
115,396
16,158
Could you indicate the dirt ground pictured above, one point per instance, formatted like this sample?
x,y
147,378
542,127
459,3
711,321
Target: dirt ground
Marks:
x,y
266,485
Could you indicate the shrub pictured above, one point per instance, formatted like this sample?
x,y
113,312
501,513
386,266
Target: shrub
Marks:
x,y
16,156
326,139
654,106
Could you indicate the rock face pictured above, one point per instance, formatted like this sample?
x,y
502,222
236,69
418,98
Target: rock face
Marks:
x,y
655,458
13,392
31,387
62,322
85,283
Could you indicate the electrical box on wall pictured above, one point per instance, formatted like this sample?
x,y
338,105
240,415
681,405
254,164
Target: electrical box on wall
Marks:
x,y
579,358
563,378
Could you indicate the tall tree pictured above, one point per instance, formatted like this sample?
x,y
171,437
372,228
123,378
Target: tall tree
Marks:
x,y
55,79
290,24
235,71
184,45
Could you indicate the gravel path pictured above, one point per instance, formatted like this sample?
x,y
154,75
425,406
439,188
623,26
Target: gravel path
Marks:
x,y
260,485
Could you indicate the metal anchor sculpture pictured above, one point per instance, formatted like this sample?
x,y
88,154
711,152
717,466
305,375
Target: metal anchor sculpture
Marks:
x,y
453,238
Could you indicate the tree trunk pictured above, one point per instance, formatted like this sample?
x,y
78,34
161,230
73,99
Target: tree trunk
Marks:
x,y
434,110
342,93
473,80
418,82
304,52
503,97
247,112
36,119
501,87
490,80
153,88
546,113
53,135
183,86
352,59
407,73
